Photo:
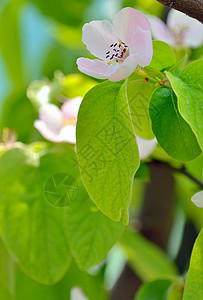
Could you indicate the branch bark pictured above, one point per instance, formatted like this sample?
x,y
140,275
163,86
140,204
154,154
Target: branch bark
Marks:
x,y
155,224
192,8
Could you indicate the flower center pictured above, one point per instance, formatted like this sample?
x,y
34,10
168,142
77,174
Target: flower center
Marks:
x,y
179,34
118,52
71,121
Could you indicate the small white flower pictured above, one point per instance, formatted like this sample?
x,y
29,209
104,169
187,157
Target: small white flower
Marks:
x,y
145,147
197,199
120,46
59,125
179,30
76,293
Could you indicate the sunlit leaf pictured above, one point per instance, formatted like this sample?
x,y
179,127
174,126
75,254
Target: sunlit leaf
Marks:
x,y
106,148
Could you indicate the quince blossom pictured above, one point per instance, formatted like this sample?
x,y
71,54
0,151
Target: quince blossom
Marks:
x,y
197,199
179,31
120,46
59,125
145,147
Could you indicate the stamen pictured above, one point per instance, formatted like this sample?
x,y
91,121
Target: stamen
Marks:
x,y
107,52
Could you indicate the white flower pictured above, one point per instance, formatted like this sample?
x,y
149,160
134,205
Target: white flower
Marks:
x,y
76,293
197,199
179,30
59,125
145,147
120,46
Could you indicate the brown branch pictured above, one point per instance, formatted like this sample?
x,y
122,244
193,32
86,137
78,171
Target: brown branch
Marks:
x,y
182,170
192,8
155,223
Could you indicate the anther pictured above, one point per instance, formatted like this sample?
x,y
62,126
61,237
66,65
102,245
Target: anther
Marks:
x,y
107,52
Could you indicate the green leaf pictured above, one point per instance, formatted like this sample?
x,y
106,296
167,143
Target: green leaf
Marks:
x,y
194,283
146,259
163,56
26,288
188,87
16,106
156,290
10,42
171,130
106,148
64,12
90,233
176,69
7,273
175,291
31,228
139,95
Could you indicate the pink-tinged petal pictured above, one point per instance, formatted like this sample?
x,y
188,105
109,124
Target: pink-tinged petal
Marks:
x,y
146,147
46,132
94,67
125,69
160,31
126,23
193,35
142,46
70,108
51,115
68,134
98,36
197,199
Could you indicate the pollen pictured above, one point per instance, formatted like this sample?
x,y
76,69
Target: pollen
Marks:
x,y
117,52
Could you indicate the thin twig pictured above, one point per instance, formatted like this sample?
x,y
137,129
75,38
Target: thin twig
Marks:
x,y
182,170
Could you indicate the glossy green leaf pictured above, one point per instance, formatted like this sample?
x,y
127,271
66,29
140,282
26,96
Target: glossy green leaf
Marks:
x,y
106,148
31,228
163,56
172,132
146,259
188,87
139,95
156,290
194,283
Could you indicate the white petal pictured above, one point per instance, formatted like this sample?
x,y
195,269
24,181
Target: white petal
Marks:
x,y
68,134
124,69
70,108
95,67
142,46
160,31
126,23
51,115
46,132
146,147
98,36
76,293
197,199
194,29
